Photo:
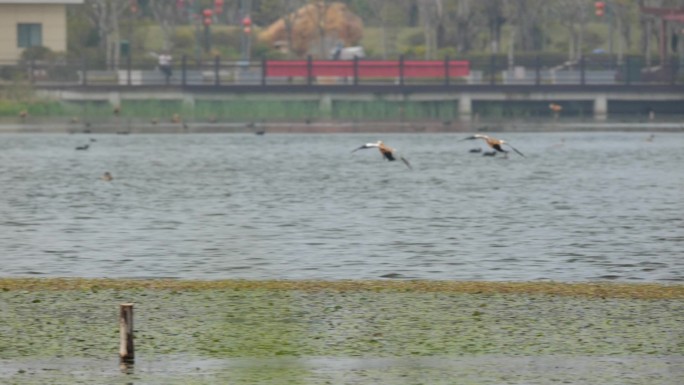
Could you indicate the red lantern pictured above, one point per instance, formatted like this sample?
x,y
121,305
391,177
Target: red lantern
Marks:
x,y
218,7
247,22
134,6
207,21
207,12
600,8
247,30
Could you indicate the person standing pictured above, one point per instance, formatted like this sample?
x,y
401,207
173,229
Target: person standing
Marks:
x,y
165,65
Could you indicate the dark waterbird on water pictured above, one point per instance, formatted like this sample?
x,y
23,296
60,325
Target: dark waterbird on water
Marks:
x,y
387,152
83,148
494,143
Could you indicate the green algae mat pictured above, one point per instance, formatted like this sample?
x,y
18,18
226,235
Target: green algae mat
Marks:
x,y
346,332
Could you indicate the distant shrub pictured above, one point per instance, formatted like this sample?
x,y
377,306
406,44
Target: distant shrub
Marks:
x,y
415,52
37,53
184,39
226,38
416,38
264,50
13,72
448,51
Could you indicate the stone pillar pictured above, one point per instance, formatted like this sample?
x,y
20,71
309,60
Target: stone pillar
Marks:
x,y
189,100
114,99
325,106
465,108
600,107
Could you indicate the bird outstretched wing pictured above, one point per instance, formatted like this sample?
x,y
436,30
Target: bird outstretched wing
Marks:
x,y
406,162
367,145
515,149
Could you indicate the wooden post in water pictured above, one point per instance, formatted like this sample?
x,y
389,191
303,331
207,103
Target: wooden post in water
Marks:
x,y
126,350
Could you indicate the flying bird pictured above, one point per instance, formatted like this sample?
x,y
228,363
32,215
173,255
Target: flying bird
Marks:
x,y
494,143
387,152
556,108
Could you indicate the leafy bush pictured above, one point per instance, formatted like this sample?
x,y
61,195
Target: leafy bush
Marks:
x,y
13,72
264,50
415,52
416,38
226,39
184,39
37,53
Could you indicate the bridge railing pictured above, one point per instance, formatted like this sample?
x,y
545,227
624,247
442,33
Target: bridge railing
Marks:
x,y
446,72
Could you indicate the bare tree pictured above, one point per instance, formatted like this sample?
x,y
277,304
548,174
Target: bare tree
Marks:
x,y
165,13
389,15
620,14
525,18
573,15
431,13
316,12
105,15
494,10
290,8
462,23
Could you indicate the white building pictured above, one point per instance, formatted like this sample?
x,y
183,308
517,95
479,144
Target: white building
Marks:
x,y
28,23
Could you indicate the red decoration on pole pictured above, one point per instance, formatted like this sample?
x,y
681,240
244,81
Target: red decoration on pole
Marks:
x,y
247,22
600,8
218,7
207,12
248,30
207,21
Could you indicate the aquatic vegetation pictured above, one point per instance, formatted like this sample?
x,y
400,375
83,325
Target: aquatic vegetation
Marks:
x,y
380,318
208,320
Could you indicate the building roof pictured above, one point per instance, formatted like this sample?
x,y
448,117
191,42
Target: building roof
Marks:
x,y
41,1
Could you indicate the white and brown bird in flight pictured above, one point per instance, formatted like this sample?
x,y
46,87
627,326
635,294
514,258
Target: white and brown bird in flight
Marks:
x,y
494,143
387,152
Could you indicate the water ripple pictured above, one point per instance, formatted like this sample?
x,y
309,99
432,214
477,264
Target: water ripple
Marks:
x,y
218,206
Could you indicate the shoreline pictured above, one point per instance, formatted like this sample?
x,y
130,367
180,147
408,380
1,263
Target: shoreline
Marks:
x,y
642,291
334,127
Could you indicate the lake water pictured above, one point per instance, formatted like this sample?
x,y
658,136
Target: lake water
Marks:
x,y
580,206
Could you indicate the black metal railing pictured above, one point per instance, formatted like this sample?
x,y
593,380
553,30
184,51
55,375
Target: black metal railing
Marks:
x,y
534,71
